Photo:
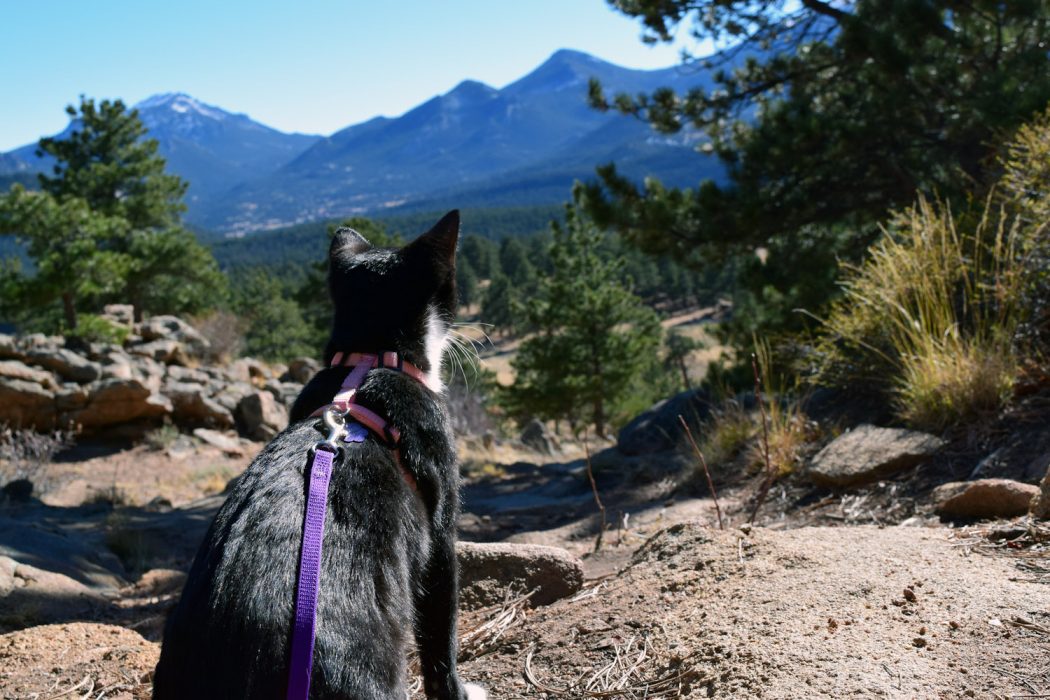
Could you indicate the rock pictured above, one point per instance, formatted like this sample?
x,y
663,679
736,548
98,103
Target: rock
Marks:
x,y
9,348
538,437
302,370
192,407
261,417
285,392
983,498
250,370
229,445
228,395
65,363
1040,505
26,404
868,453
173,328
657,429
488,570
114,401
170,352
30,596
185,374
120,314
13,369
71,397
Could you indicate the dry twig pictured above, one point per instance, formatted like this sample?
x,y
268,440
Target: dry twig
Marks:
x,y
594,490
707,472
768,481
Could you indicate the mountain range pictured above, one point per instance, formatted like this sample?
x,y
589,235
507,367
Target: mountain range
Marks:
x,y
475,145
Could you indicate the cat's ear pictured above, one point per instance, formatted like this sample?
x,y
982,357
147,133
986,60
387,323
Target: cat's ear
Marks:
x,y
347,241
439,243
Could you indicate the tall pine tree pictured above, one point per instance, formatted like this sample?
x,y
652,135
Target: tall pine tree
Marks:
x,y
594,338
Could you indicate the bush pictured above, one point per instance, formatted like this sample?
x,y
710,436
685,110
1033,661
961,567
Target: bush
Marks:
x,y
98,329
928,321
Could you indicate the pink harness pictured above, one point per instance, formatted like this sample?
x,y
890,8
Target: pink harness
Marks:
x,y
322,457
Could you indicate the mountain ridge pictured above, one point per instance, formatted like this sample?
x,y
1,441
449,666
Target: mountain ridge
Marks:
x,y
524,143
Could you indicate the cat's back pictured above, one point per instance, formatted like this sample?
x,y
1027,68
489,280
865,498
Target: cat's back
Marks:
x,y
239,596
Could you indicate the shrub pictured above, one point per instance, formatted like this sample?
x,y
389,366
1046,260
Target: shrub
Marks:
x,y
98,329
929,319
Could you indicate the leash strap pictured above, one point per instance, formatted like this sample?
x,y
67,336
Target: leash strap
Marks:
x,y
343,404
303,632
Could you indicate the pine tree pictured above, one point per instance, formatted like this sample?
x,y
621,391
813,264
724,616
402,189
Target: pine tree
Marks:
x,y
594,337
105,225
498,304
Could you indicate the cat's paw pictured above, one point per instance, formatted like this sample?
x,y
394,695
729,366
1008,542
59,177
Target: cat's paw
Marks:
x,y
475,692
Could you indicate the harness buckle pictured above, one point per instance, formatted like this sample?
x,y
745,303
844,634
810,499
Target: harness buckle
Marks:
x,y
336,422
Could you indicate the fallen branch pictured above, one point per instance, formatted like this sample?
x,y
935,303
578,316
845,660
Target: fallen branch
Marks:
x,y
768,481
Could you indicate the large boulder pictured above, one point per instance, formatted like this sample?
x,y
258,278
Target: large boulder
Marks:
x,y
26,404
868,453
658,428
114,401
247,369
488,571
984,498
174,328
192,407
538,436
65,363
261,417
119,314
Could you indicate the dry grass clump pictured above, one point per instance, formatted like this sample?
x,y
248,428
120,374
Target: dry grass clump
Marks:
x,y
25,454
930,317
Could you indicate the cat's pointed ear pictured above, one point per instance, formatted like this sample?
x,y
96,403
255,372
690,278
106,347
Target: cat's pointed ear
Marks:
x,y
440,241
347,241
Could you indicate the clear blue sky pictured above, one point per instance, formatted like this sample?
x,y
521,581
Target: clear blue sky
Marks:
x,y
313,66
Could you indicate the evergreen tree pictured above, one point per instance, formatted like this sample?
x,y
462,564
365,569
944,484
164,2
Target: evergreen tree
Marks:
x,y
678,348
274,324
466,282
498,304
594,337
105,226
482,254
515,263
825,115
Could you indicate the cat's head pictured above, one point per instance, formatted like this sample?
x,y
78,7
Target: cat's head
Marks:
x,y
399,299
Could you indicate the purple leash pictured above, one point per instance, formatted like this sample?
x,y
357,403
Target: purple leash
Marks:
x,y
302,656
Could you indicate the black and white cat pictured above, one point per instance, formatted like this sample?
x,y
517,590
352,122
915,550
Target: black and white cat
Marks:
x,y
388,571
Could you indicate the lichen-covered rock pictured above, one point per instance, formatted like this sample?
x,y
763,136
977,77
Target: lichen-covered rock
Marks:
x,y
488,570
163,350
868,453
984,498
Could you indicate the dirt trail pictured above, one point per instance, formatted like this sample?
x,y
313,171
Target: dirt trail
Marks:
x,y
809,613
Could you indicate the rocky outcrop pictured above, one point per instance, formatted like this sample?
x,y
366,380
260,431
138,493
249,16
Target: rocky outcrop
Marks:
x,y
489,571
868,453
984,498
154,377
658,428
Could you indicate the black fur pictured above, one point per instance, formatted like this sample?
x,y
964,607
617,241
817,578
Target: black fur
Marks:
x,y
388,565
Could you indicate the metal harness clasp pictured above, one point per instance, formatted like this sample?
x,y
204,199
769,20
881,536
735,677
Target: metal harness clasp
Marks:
x,y
336,422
